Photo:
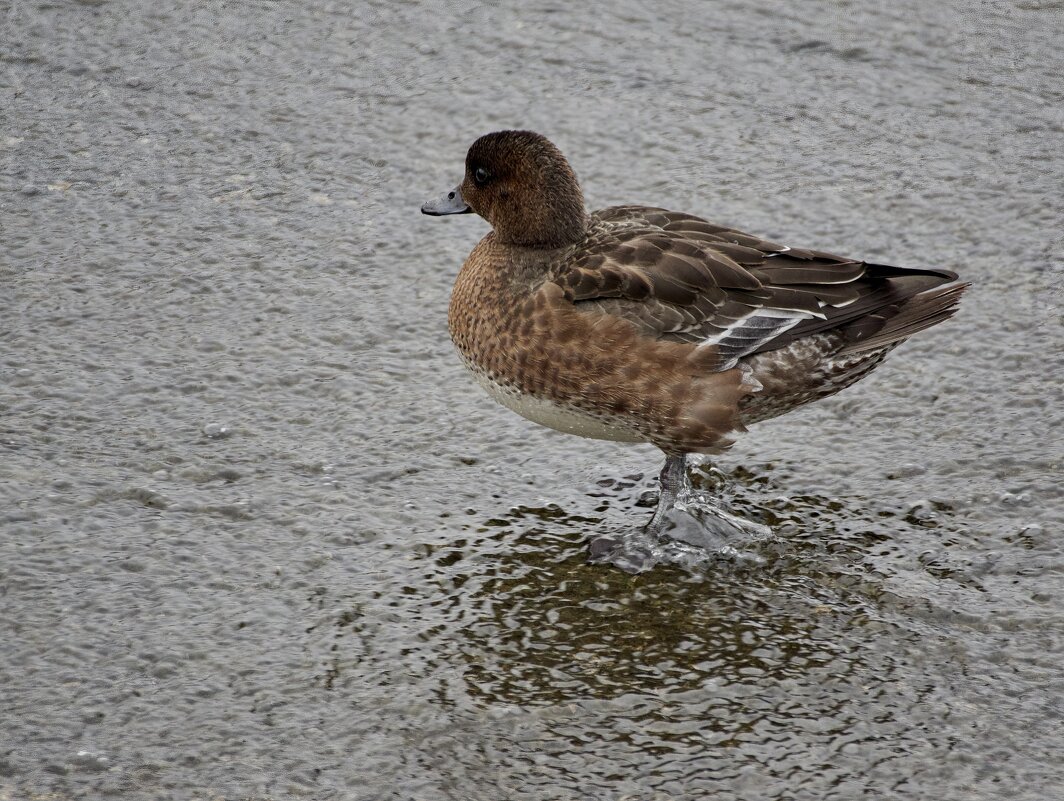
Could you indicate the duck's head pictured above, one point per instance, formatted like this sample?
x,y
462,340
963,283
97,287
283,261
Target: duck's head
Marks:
x,y
523,186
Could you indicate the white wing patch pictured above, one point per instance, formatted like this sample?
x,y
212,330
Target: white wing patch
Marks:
x,y
748,333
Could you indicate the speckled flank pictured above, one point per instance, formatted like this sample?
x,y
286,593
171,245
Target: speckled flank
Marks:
x,y
803,372
533,342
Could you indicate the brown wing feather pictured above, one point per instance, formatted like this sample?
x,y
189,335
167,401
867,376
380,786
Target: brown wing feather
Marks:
x,y
681,278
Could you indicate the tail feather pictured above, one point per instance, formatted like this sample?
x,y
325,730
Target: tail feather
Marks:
x,y
901,321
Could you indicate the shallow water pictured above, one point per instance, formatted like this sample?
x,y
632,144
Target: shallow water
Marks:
x,y
261,537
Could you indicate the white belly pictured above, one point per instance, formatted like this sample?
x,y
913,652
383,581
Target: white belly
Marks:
x,y
553,415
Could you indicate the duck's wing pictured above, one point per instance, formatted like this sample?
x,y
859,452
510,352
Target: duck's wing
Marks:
x,y
681,278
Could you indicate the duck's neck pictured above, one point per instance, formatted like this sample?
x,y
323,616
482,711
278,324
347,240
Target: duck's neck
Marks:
x,y
550,231
557,219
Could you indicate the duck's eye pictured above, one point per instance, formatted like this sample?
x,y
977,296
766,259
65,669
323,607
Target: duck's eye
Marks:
x,y
481,176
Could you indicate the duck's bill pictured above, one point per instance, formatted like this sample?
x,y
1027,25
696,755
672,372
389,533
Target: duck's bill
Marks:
x,y
447,203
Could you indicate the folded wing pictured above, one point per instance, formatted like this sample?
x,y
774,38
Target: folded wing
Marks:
x,y
678,277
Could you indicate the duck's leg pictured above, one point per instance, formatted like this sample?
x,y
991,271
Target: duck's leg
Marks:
x,y
687,528
698,521
674,482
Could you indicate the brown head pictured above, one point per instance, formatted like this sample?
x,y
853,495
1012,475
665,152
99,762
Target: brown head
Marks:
x,y
520,183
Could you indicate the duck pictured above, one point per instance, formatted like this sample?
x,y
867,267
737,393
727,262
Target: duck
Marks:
x,y
639,324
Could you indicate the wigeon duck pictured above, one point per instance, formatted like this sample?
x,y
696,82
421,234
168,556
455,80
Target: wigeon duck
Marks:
x,y
638,324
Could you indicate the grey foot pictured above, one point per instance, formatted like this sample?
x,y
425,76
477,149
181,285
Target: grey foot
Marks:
x,y
687,529
699,523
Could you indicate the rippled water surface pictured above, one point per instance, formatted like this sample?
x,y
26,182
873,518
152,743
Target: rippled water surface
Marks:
x,y
262,538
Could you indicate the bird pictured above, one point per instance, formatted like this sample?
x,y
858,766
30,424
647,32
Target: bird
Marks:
x,y
638,324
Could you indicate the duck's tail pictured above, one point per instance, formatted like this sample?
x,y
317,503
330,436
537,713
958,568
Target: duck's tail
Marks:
x,y
900,321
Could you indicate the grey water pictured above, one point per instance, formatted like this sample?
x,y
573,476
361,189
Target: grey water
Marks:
x,y
262,538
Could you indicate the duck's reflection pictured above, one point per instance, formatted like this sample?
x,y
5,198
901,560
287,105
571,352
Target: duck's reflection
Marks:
x,y
539,624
